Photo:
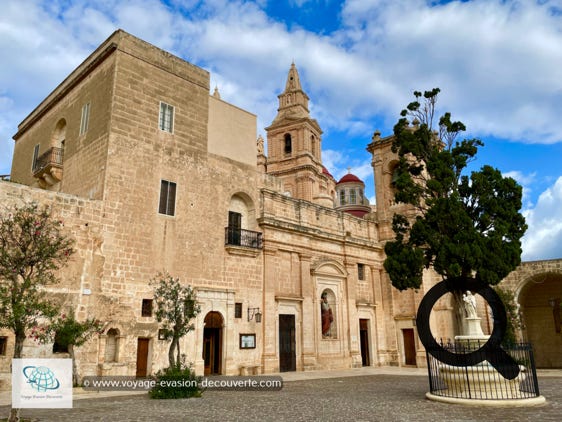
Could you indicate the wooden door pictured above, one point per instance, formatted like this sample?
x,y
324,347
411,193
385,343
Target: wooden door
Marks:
x,y
287,343
212,343
409,346
212,350
364,339
142,357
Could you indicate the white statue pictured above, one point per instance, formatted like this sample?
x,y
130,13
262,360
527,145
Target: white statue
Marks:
x,y
469,305
260,145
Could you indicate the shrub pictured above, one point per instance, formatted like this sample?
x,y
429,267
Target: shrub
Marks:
x,y
176,382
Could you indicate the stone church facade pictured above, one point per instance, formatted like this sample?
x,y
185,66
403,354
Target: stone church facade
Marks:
x,y
150,173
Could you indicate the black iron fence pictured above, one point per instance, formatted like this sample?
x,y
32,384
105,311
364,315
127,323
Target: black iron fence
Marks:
x,y
483,381
240,237
53,156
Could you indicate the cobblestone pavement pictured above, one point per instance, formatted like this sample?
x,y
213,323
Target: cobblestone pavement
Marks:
x,y
358,398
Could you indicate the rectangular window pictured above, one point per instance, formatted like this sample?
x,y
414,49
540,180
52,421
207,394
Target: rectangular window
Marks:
x,y
85,118
237,310
167,198
342,197
35,156
166,119
352,196
361,271
3,345
146,308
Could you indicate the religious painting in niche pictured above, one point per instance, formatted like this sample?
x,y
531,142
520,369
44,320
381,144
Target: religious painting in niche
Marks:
x,y
327,309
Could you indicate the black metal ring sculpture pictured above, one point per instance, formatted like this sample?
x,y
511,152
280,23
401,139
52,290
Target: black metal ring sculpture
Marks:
x,y
490,351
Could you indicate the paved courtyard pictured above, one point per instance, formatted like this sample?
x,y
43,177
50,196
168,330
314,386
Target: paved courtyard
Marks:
x,y
381,397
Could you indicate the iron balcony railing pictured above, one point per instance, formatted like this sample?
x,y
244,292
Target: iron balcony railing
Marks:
x,y
51,157
240,237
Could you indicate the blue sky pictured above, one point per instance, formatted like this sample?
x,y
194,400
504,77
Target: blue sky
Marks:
x,y
497,63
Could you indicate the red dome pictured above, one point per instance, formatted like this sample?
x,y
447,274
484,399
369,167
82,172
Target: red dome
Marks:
x,y
349,178
326,172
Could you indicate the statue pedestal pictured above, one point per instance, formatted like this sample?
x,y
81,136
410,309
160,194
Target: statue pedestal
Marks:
x,y
472,329
480,383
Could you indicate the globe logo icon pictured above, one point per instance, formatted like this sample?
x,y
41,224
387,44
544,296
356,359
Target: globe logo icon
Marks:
x,y
41,378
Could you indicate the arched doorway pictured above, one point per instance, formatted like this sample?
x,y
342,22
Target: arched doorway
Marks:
x,y
540,301
212,343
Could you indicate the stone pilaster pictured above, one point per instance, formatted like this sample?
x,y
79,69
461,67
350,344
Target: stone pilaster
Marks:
x,y
308,326
270,358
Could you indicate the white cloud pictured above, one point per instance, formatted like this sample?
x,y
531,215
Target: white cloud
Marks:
x,y
543,239
496,61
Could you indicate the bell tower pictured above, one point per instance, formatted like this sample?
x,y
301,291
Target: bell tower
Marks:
x,y
294,147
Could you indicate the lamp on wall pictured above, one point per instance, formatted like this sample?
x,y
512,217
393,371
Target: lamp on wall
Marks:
x,y
254,312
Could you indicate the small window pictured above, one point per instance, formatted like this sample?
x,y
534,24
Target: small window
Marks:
x,y
288,143
167,198
342,197
237,310
146,308
3,345
58,347
85,118
361,271
166,119
35,156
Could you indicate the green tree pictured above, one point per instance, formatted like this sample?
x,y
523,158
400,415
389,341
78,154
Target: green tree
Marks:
x,y
176,306
33,247
68,333
466,227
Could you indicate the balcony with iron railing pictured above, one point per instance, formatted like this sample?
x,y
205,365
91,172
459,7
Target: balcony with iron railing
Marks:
x,y
47,168
237,240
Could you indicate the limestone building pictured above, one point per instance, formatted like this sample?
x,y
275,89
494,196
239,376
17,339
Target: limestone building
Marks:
x,y
151,173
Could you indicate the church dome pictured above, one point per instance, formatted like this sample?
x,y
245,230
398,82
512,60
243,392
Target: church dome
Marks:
x,y
350,196
350,178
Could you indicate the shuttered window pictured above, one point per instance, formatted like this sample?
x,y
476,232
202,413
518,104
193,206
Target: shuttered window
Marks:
x,y
167,204
85,118
166,118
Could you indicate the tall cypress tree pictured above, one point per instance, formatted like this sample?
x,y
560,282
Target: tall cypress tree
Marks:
x,y
465,226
